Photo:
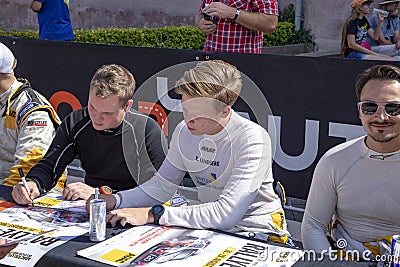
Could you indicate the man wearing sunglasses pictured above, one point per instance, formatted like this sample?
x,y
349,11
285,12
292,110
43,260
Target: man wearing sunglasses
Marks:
x,y
356,186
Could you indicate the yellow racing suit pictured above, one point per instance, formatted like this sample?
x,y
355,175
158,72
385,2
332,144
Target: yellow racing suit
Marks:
x,y
27,127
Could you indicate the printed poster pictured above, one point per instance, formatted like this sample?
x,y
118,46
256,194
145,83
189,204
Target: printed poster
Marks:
x,y
169,246
28,232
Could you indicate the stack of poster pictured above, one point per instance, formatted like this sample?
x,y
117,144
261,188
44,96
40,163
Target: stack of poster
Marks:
x,y
30,231
170,246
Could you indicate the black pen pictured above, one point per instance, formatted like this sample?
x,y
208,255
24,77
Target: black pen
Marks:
x,y
24,183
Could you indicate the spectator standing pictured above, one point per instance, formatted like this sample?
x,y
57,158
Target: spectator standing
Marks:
x,y
54,20
388,42
355,31
28,122
236,26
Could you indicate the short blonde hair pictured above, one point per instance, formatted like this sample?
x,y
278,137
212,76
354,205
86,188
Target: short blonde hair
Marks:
x,y
113,80
214,79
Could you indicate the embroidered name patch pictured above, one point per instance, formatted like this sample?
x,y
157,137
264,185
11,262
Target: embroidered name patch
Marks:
x,y
37,123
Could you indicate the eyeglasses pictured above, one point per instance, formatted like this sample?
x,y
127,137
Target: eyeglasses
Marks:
x,y
371,107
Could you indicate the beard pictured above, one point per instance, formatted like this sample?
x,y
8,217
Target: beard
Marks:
x,y
383,139
380,136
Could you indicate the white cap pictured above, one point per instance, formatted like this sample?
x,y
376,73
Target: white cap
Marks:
x,y
6,59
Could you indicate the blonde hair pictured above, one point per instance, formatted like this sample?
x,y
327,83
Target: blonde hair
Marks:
x,y
215,79
113,80
354,14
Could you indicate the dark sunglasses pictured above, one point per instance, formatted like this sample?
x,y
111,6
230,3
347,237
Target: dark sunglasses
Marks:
x,y
370,107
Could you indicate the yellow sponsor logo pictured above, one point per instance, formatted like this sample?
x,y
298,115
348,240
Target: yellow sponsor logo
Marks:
x,y
118,256
220,257
21,227
47,202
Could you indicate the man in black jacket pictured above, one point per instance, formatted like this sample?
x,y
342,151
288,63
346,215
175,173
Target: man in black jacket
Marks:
x,y
117,146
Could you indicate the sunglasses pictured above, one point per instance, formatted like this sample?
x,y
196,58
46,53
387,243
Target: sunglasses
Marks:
x,y
370,108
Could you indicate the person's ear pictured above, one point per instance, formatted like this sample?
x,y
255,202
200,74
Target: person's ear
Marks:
x,y
128,105
226,111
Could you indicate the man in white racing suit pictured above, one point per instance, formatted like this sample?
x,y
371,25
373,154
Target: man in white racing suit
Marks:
x,y
28,122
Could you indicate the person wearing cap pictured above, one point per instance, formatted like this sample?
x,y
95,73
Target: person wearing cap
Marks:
x,y
388,42
28,122
54,20
355,31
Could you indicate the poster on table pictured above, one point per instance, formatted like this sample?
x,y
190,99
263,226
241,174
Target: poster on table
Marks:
x,y
169,246
30,231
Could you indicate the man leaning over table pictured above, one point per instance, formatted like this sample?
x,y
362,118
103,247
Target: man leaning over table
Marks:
x,y
228,157
28,122
358,181
236,26
117,146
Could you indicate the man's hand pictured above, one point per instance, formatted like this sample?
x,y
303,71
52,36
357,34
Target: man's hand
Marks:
x,y
110,201
5,249
77,190
256,21
133,216
207,27
36,6
220,10
22,196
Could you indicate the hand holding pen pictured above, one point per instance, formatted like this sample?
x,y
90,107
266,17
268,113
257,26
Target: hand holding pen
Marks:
x,y
24,183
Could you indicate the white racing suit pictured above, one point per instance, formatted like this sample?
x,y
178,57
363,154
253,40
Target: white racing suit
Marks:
x,y
27,127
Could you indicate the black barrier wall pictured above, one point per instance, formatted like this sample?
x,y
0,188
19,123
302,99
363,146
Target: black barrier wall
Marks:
x,y
312,100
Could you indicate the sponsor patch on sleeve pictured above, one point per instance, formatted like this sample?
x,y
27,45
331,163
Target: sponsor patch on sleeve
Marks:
x,y
37,123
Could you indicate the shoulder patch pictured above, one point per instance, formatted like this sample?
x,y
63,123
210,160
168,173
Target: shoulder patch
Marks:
x,y
26,109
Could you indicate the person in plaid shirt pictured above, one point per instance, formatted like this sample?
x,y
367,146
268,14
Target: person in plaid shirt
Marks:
x,y
236,25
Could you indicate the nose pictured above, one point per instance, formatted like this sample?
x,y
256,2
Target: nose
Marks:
x,y
188,120
187,117
97,117
381,113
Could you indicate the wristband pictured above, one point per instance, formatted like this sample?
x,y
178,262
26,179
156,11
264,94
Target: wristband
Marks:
x,y
117,201
236,14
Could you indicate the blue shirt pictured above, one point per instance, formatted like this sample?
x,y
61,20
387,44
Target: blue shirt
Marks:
x,y
54,20
389,26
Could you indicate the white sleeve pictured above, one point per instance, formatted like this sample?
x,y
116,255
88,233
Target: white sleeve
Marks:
x,y
161,187
251,167
321,204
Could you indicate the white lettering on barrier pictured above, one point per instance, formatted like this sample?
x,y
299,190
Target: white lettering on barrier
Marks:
x,y
347,131
309,154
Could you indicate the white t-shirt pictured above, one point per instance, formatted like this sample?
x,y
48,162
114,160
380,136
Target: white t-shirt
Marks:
x,y
361,186
232,171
